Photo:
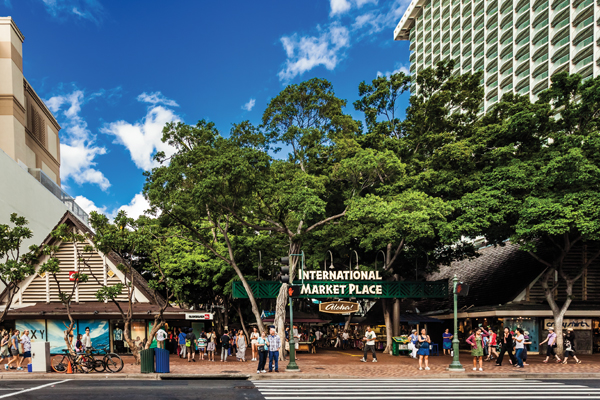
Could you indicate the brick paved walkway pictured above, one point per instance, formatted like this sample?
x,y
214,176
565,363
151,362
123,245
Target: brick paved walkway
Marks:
x,y
347,363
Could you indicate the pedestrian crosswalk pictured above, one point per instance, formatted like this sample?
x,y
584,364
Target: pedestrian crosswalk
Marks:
x,y
422,389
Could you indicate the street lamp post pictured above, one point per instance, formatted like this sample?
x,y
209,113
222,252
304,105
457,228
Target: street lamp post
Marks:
x,y
455,365
292,366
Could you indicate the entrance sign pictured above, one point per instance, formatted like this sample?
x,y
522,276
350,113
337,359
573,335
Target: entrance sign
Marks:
x,y
198,316
368,289
339,307
575,323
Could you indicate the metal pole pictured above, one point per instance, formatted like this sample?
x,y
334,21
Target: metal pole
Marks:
x,y
455,365
292,365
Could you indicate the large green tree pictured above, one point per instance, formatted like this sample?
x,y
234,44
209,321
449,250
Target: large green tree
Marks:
x,y
538,179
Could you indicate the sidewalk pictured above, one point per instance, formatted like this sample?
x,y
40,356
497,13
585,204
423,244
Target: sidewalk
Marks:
x,y
341,364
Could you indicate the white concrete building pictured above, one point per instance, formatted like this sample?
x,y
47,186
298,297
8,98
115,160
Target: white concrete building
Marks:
x,y
29,146
518,44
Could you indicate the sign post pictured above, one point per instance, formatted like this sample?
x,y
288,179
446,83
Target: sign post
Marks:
x,y
455,365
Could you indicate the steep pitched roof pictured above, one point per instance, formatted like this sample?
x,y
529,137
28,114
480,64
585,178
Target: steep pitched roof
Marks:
x,y
35,284
496,277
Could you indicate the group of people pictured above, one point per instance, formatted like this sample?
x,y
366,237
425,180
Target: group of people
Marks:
x,y
17,347
487,343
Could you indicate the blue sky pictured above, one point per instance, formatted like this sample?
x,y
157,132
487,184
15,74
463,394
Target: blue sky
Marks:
x,y
113,72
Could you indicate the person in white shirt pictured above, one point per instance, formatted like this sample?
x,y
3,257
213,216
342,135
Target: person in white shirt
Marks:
x,y
318,335
86,340
254,342
161,335
345,337
369,339
519,346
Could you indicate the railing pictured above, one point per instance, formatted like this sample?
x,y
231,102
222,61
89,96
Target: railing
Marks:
x,y
523,41
541,76
506,56
541,7
523,73
541,24
491,71
524,90
520,10
585,61
493,85
562,41
492,26
562,23
586,22
540,60
56,190
561,5
561,61
492,11
508,87
583,5
584,43
541,41
523,57
523,25
507,72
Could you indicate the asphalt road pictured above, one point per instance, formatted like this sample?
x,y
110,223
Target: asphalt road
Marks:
x,y
129,390
302,389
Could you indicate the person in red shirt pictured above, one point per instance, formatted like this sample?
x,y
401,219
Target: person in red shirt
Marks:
x,y
492,343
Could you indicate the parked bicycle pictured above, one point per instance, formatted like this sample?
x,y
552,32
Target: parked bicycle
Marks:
x,y
80,362
111,361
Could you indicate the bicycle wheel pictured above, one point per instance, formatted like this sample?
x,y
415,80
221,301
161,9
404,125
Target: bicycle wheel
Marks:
x,y
113,362
60,363
85,364
99,365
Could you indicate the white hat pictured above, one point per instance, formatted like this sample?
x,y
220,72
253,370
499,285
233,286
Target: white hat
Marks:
x,y
551,329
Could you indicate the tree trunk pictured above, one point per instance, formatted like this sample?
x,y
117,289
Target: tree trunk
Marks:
x,y
226,313
347,326
239,310
388,325
69,332
158,322
130,342
396,318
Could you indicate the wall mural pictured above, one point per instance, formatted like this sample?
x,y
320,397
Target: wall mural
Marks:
x,y
99,331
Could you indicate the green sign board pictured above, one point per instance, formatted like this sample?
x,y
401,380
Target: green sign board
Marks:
x,y
348,289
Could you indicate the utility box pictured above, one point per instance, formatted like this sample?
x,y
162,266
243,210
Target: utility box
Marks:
x,y
40,356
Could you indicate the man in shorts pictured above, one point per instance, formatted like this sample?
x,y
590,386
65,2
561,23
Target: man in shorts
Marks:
x,y
190,344
26,342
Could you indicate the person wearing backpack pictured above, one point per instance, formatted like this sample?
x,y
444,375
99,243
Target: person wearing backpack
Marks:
x,y
224,346
181,341
190,345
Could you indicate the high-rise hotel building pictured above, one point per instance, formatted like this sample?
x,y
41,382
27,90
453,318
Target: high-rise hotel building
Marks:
x,y
518,44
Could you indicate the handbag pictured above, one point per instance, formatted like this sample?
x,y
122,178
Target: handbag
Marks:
x,y
411,346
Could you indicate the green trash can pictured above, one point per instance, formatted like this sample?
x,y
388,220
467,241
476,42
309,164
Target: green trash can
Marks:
x,y
147,361
396,345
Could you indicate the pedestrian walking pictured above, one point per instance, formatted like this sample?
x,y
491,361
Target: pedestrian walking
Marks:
x,y
413,345
254,343
551,347
569,343
507,346
262,346
225,342
519,346
79,344
345,337
14,350
476,340
369,339
423,352
211,345
492,343
190,345
447,341
182,346
5,347
526,347
274,346
241,346
26,343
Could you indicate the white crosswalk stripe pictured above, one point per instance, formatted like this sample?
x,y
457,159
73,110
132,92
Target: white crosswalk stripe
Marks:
x,y
438,389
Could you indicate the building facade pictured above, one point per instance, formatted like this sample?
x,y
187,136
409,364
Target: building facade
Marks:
x,y
29,146
518,44
28,130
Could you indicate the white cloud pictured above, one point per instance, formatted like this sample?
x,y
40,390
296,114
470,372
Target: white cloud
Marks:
x,y
156,98
398,68
328,46
134,209
78,149
88,205
339,7
306,52
91,10
143,138
249,105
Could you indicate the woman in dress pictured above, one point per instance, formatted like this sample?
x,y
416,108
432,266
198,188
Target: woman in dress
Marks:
x,y
447,341
569,343
254,342
423,351
241,346
212,345
476,342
